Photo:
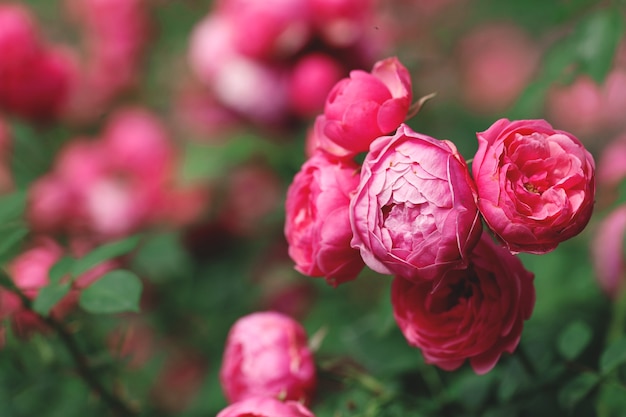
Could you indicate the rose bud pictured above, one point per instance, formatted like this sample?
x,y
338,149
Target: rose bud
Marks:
x,y
607,249
475,314
317,221
265,407
267,355
535,184
414,213
365,106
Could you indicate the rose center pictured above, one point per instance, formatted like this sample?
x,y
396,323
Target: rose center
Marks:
x,y
405,221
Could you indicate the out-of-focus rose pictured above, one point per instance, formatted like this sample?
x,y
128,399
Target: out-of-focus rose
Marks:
x,y
265,407
267,355
6,178
312,78
476,313
342,23
367,105
414,213
611,165
317,222
536,185
607,249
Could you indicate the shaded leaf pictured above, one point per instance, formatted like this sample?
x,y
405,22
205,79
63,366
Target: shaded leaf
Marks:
x,y
104,253
49,296
574,339
613,356
115,292
577,389
61,268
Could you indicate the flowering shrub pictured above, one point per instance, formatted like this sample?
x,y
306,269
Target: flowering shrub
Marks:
x,y
172,172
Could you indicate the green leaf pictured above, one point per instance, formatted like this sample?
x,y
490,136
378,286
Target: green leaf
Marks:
x,y
574,339
577,389
12,237
613,356
597,39
161,258
116,292
61,268
104,253
12,206
49,296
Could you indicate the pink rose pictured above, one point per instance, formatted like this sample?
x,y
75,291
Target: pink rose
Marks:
x,y
607,249
367,105
265,407
267,355
414,213
535,184
317,224
312,78
476,313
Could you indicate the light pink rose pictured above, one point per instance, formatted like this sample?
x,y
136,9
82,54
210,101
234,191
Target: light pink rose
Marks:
x,y
607,249
474,314
414,213
611,164
367,105
265,407
536,185
317,223
267,355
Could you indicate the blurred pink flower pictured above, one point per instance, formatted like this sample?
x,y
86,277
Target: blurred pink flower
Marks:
x,y
607,249
496,62
266,355
414,213
536,185
265,407
342,23
473,314
612,163
367,105
317,220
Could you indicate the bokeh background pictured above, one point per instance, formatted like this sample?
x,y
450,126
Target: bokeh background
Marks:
x,y
179,124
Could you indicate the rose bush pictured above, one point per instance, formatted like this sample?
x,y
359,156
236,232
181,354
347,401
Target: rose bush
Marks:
x,y
317,223
267,355
535,184
414,213
265,407
365,106
475,314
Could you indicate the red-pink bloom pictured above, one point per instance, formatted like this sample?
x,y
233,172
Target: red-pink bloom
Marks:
x,y
267,355
367,105
317,222
414,213
342,23
536,185
475,314
35,79
607,249
265,407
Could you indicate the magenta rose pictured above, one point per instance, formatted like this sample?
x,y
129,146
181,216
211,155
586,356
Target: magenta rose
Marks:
x,y
475,314
535,184
367,105
317,222
267,355
414,213
265,407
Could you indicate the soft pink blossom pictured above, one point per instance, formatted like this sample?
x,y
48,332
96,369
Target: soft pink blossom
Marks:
x,y
317,221
473,314
266,355
607,249
414,212
536,185
367,105
265,407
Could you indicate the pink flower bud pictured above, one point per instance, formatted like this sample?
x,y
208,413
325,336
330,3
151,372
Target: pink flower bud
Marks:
x,y
536,185
367,105
265,407
414,213
317,223
474,314
267,355
607,249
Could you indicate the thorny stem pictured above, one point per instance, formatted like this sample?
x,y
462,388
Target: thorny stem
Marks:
x,y
119,407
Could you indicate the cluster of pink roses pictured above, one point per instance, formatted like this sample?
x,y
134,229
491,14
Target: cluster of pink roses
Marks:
x,y
413,210
268,369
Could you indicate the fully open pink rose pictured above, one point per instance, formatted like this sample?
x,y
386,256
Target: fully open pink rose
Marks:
x,y
414,213
476,314
535,184
317,223
265,407
267,355
367,105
